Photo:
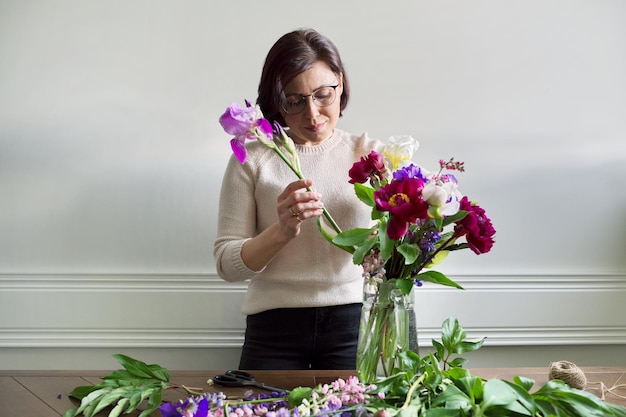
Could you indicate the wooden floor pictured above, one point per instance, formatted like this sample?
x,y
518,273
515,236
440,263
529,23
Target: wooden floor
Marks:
x,y
44,393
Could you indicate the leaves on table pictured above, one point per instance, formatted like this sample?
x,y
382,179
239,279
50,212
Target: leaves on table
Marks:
x,y
126,388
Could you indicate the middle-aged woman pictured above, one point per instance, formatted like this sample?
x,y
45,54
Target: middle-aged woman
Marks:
x,y
304,296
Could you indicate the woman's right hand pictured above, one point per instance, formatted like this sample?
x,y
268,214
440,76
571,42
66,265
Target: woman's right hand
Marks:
x,y
296,204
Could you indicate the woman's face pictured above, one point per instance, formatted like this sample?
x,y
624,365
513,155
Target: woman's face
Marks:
x,y
313,124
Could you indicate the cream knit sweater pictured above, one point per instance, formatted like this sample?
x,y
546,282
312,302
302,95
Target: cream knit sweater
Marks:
x,y
308,271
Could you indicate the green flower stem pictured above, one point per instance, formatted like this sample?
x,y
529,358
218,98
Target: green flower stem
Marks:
x,y
379,341
330,219
414,386
258,401
192,390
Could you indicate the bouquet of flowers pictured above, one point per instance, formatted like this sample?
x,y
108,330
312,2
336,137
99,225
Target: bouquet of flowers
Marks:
x,y
419,218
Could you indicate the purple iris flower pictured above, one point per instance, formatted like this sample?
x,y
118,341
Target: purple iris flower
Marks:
x,y
244,123
409,171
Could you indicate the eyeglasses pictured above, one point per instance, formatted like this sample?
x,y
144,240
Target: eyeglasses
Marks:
x,y
322,97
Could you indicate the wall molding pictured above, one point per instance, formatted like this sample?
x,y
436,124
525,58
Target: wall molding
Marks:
x,y
233,338
206,310
211,282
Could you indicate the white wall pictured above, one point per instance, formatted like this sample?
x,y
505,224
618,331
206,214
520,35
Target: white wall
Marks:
x,y
111,160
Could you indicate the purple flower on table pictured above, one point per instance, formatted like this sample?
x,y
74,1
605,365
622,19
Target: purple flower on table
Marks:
x,y
245,123
191,407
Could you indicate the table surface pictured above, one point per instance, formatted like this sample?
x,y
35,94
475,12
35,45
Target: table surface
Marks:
x,y
44,393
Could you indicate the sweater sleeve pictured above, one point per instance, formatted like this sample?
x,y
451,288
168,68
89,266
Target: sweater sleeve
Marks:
x,y
236,222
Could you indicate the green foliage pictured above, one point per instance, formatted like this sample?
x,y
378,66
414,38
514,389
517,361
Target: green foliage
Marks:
x,y
126,389
298,394
437,385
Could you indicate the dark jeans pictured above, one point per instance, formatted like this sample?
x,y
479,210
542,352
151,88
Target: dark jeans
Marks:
x,y
302,338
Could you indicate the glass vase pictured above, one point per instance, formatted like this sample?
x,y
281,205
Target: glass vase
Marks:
x,y
387,327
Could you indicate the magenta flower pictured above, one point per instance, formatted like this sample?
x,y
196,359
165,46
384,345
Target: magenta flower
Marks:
x,y
245,123
403,200
476,227
371,166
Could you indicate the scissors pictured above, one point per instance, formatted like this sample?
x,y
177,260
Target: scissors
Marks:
x,y
236,378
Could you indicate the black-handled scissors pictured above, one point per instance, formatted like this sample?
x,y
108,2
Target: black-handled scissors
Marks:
x,y
235,378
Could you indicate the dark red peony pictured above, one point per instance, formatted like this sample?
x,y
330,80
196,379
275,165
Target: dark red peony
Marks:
x,y
370,166
476,227
403,200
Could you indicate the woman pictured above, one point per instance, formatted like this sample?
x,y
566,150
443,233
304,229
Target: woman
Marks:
x,y
304,297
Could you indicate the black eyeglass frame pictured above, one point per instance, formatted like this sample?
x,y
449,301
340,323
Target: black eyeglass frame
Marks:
x,y
303,98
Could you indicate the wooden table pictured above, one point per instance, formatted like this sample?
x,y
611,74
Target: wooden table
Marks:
x,y
44,393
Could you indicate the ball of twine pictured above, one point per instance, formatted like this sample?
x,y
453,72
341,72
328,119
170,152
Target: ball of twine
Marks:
x,y
569,373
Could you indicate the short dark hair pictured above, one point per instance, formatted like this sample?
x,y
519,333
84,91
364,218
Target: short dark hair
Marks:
x,y
291,55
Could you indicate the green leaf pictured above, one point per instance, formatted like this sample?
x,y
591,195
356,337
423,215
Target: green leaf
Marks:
x,y
365,194
405,285
443,412
452,397
457,362
438,348
154,401
329,234
353,237
108,399
298,394
457,246
362,251
410,251
411,410
161,373
451,333
117,410
90,399
408,360
82,391
70,413
460,215
457,373
472,386
437,278
523,382
437,259
523,396
497,392
134,367
469,346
